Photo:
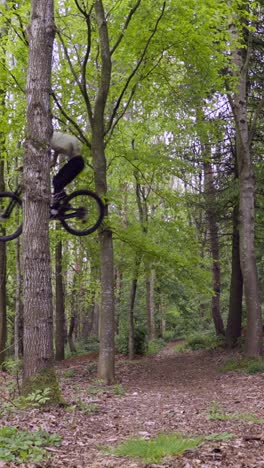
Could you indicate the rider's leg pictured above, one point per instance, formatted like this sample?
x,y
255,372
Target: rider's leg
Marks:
x,y
68,173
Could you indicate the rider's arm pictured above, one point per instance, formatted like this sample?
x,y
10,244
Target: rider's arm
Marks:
x,y
54,158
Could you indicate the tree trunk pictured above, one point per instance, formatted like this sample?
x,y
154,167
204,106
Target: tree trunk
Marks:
x,y
38,317
19,318
233,329
246,202
214,245
71,332
106,364
133,290
59,307
3,325
150,287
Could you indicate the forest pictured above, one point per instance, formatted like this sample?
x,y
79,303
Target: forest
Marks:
x,y
166,101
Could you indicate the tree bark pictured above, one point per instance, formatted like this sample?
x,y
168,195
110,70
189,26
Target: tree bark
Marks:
x,y
131,327
59,307
106,364
241,59
233,329
19,318
3,324
150,288
214,246
38,317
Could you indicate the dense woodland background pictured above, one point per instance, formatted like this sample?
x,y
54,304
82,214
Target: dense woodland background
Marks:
x,y
167,101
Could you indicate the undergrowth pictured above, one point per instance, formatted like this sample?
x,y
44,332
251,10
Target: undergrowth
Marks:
x,y
22,446
200,341
216,413
155,449
244,364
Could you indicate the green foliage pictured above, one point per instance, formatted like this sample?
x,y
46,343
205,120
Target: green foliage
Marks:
x,y
83,407
69,373
216,413
121,341
25,447
38,385
247,365
83,347
198,341
39,398
154,346
154,450
99,387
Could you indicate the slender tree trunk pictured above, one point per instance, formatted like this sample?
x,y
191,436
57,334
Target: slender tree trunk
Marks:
x,y
214,244
3,325
233,329
59,307
71,332
3,256
118,290
133,290
38,317
19,320
150,288
241,59
106,364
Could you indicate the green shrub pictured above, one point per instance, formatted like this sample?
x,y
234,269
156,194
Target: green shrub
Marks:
x,y
22,447
121,342
247,365
200,341
154,346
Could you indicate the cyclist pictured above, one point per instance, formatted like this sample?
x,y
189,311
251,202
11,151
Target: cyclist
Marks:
x,y
69,146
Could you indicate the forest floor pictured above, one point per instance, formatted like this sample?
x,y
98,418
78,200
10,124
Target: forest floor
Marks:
x,y
170,392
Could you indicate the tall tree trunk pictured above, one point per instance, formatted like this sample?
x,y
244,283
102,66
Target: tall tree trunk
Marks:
x,y
133,290
233,329
150,288
241,59
19,320
214,245
71,332
106,364
3,324
59,306
38,318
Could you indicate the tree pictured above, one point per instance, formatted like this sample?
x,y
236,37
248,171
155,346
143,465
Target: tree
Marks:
x,y
244,133
38,333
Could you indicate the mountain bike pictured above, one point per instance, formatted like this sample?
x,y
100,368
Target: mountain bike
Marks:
x,y
80,213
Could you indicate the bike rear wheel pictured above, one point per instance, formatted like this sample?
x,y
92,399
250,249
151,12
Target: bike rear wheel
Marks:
x,y
83,213
11,216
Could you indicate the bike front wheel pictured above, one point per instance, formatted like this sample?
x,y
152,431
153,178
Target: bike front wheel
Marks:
x,y
11,216
83,213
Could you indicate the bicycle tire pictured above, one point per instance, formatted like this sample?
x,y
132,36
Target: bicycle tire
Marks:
x,y
92,208
14,221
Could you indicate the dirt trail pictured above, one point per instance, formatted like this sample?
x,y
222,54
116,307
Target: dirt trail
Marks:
x,y
171,392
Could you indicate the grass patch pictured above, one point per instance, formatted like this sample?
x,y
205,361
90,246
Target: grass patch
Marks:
x,y
216,413
154,450
22,446
98,387
246,365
